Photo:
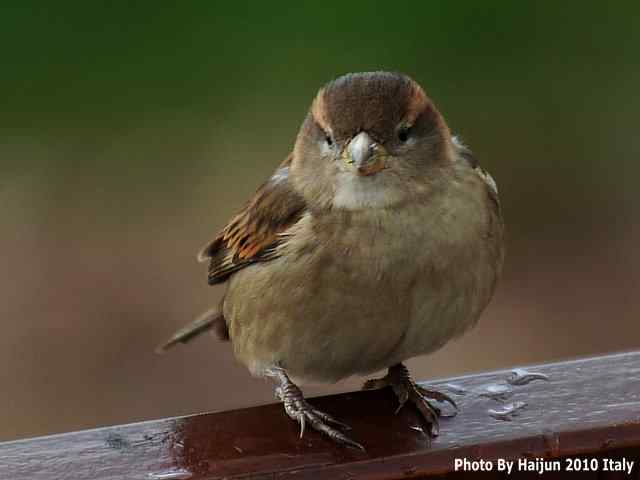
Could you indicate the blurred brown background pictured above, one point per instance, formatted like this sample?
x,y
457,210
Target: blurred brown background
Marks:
x,y
129,135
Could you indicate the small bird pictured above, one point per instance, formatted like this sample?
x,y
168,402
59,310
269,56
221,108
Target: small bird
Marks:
x,y
378,239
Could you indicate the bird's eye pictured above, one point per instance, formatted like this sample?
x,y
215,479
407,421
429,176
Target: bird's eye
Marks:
x,y
403,134
328,139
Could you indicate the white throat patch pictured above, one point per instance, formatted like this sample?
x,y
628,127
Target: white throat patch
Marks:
x,y
356,193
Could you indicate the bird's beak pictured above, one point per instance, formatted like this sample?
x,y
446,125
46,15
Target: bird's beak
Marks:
x,y
365,155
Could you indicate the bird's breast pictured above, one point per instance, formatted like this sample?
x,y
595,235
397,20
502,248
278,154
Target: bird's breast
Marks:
x,y
355,293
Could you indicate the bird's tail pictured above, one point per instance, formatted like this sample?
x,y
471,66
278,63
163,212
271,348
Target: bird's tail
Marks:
x,y
210,320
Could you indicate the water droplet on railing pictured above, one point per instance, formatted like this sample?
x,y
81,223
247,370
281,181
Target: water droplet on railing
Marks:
x,y
520,376
508,411
496,391
170,475
455,389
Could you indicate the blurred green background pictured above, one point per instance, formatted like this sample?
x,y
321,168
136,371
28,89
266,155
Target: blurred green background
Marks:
x,y
131,131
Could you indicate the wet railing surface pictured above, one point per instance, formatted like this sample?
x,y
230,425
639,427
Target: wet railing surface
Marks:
x,y
567,409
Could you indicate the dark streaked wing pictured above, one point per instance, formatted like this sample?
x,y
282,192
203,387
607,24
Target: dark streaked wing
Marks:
x,y
254,233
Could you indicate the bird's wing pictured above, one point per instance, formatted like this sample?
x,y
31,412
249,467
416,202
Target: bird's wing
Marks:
x,y
254,233
466,155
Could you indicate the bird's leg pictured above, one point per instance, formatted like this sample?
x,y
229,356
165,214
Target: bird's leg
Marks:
x,y
299,410
399,379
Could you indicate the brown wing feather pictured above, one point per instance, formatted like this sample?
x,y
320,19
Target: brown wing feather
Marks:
x,y
254,233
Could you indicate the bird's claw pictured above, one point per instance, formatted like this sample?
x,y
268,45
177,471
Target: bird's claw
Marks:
x,y
298,409
439,397
399,379
376,383
304,413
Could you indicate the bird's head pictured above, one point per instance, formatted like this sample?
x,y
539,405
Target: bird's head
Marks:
x,y
370,140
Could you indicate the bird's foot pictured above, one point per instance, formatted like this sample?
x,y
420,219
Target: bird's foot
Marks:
x,y
301,411
399,379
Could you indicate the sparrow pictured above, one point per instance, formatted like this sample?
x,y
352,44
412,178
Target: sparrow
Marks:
x,y
378,239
